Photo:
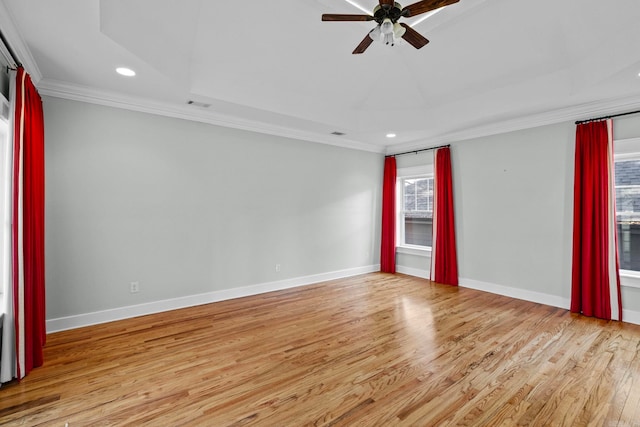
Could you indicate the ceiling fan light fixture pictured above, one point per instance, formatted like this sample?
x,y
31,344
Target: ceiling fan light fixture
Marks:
x,y
387,26
375,34
387,31
398,30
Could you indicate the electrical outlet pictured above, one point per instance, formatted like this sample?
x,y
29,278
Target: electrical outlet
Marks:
x,y
135,287
277,268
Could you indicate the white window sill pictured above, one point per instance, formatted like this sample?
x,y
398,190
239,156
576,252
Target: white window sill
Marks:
x,y
416,250
630,278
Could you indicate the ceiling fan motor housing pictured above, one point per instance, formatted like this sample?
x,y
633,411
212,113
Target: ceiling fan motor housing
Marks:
x,y
380,13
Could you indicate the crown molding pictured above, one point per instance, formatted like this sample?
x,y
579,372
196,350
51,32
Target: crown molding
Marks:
x,y
117,100
566,114
111,99
17,44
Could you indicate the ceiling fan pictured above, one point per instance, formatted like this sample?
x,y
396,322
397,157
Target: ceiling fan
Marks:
x,y
386,14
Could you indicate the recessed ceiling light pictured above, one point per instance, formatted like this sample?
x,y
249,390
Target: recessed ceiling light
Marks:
x,y
123,71
391,135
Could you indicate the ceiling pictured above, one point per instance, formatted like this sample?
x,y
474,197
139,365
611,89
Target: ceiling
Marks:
x,y
491,65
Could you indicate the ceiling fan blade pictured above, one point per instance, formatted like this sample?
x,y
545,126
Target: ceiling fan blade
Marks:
x,y
364,44
425,6
338,17
386,2
413,37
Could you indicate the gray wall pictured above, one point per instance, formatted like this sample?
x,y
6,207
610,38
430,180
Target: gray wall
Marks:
x,y
186,208
513,196
514,207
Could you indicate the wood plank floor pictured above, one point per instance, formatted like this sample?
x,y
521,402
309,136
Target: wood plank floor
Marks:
x,y
371,350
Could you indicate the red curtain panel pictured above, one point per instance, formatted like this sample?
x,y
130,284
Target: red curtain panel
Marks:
x,y
444,264
595,284
388,238
28,225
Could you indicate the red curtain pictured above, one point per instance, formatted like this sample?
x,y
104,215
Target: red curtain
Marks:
x,y
388,238
28,225
595,287
444,264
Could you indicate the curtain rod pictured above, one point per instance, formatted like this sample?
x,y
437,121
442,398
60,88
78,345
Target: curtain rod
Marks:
x,y
417,151
579,122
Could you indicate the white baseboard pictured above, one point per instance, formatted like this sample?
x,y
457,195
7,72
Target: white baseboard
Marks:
x,y
628,316
631,316
94,318
413,271
523,294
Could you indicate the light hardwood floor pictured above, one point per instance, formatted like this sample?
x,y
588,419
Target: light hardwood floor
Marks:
x,y
372,350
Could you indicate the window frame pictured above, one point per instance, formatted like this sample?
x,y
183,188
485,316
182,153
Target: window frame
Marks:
x,y
5,193
627,150
424,171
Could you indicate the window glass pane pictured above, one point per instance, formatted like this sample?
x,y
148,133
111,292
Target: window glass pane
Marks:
x,y
418,211
418,231
409,194
628,213
422,193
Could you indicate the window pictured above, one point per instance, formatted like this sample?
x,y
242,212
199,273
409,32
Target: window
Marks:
x,y
416,211
627,173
